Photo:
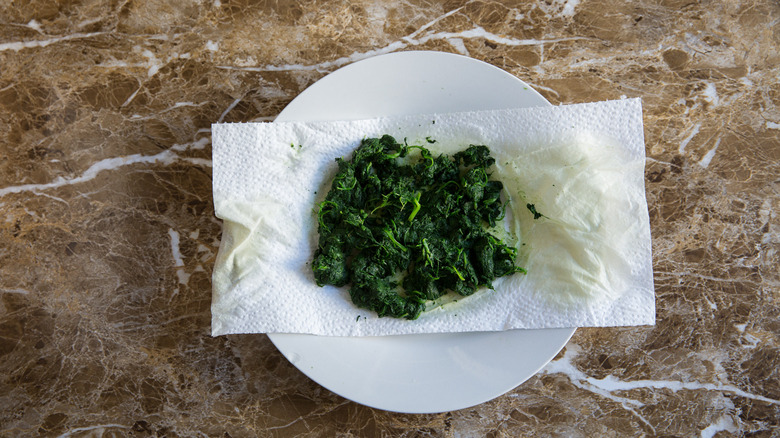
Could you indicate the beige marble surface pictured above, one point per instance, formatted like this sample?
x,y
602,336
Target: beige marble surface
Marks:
x,y
107,236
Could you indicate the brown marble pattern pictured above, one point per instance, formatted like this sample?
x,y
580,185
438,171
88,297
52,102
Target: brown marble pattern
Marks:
x,y
107,235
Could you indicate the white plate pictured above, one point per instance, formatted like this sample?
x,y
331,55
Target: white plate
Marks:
x,y
418,373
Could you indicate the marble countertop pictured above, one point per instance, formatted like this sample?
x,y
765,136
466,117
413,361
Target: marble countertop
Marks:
x,y
108,235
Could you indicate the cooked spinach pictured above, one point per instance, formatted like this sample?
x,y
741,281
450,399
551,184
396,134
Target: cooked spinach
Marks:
x,y
403,227
532,209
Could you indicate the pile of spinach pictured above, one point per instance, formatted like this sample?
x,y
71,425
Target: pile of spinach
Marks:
x,y
406,231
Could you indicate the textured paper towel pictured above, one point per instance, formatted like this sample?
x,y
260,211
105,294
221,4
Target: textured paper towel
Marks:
x,y
588,260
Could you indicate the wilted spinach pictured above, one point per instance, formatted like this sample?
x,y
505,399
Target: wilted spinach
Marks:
x,y
406,231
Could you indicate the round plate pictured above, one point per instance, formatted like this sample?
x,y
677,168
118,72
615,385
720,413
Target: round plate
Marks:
x,y
417,373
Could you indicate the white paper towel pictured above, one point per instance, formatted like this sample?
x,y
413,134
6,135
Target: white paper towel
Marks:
x,y
588,260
